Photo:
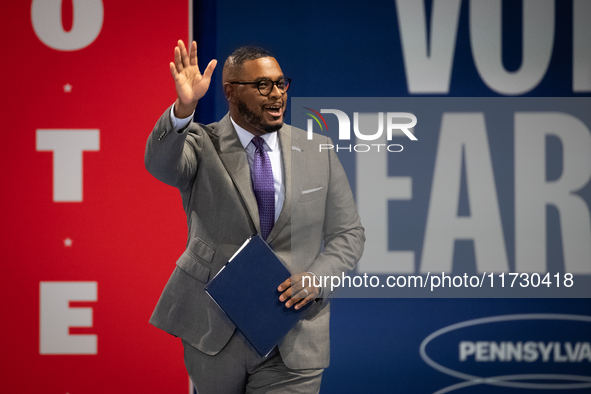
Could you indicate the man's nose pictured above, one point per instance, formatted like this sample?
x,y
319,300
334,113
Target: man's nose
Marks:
x,y
275,92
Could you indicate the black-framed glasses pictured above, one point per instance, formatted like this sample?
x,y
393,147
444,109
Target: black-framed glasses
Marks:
x,y
265,86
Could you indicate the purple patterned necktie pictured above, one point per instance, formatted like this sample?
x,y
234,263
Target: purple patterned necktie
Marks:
x,y
263,186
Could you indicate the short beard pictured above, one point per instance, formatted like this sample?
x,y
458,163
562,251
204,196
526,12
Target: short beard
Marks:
x,y
256,119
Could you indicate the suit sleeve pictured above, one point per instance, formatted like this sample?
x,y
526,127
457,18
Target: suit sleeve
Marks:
x,y
172,156
343,234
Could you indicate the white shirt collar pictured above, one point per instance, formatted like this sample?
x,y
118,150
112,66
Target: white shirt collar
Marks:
x,y
246,136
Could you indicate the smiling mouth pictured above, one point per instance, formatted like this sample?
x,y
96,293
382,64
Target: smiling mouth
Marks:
x,y
274,110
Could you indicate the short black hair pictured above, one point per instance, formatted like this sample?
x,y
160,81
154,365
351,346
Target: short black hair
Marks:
x,y
240,55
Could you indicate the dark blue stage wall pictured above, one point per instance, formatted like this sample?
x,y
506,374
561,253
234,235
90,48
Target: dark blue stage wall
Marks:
x,y
497,182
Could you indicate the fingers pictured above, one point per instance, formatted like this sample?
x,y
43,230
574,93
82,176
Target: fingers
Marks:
x,y
302,298
304,302
295,294
178,63
193,54
181,58
209,69
175,74
285,295
287,283
184,54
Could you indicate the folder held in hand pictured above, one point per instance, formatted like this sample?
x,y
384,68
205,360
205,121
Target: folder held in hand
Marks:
x,y
246,290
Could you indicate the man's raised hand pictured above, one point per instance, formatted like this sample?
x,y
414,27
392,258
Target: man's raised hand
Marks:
x,y
190,84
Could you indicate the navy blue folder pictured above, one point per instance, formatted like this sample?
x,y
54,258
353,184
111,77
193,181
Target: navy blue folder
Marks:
x,y
246,290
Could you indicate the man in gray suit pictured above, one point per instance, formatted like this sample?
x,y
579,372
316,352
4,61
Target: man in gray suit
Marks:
x,y
307,215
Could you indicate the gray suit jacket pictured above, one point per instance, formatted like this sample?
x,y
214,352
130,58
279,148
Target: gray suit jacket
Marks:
x,y
209,166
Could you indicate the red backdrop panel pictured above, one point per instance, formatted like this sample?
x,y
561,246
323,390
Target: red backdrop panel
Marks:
x,y
127,231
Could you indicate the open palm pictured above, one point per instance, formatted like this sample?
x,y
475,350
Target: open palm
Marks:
x,y
190,84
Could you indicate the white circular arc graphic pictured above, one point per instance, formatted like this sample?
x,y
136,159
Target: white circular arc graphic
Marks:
x,y
505,380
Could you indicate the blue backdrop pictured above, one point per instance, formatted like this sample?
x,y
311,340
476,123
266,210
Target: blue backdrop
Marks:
x,y
379,49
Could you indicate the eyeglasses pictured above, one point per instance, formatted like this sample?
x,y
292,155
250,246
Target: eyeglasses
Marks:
x,y
265,86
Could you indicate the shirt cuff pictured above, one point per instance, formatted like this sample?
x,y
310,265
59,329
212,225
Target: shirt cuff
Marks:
x,y
179,124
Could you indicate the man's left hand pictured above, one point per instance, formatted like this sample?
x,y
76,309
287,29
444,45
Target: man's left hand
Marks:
x,y
295,293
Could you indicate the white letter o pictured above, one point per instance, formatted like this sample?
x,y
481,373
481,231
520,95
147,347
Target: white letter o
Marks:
x,y
46,16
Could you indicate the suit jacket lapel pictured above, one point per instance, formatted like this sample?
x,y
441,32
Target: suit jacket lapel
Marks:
x,y
233,156
291,179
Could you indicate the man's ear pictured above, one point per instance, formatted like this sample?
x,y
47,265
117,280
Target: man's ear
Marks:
x,y
228,91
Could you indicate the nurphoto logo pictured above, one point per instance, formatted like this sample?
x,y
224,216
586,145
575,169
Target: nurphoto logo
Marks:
x,y
394,125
